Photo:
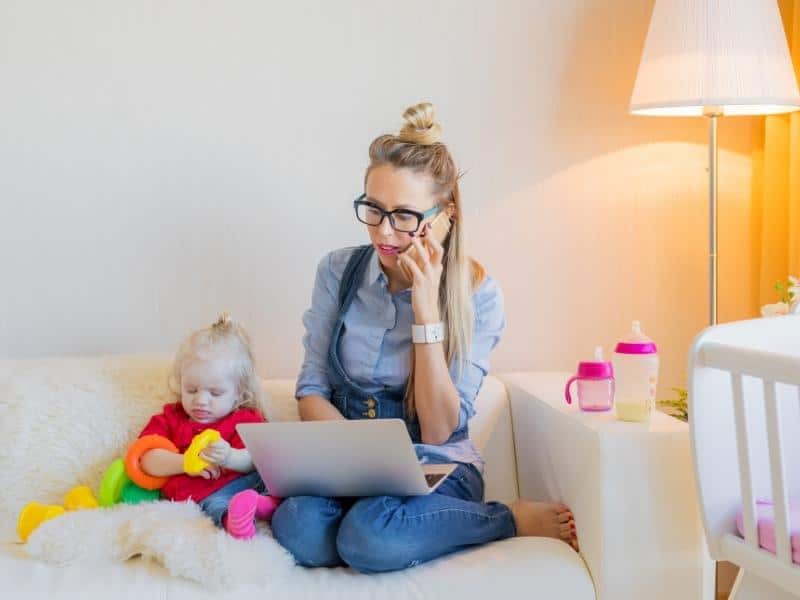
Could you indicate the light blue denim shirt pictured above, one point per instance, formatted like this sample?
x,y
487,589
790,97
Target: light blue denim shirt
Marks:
x,y
376,348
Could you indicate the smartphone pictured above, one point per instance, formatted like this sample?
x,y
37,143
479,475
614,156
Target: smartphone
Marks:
x,y
440,226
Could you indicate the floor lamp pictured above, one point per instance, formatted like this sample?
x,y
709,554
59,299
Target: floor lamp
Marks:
x,y
714,58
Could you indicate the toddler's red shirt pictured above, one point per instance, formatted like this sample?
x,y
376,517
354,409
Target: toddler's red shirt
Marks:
x,y
174,424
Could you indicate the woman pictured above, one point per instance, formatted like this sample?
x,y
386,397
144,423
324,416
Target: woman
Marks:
x,y
361,361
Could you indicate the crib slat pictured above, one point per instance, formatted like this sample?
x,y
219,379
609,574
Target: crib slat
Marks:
x,y
777,474
745,474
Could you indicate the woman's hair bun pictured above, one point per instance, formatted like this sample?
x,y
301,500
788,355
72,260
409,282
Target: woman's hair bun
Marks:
x,y
421,126
224,321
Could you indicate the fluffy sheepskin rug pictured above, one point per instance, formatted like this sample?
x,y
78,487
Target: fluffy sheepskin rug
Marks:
x,y
176,535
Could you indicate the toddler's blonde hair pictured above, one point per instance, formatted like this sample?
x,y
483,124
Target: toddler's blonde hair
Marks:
x,y
228,336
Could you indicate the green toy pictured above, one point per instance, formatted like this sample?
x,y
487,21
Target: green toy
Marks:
x,y
133,494
114,479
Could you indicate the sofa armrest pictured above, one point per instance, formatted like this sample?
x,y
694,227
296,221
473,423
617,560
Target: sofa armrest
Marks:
x,y
630,486
492,432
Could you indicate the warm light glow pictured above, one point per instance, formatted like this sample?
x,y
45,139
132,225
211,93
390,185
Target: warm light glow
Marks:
x,y
728,110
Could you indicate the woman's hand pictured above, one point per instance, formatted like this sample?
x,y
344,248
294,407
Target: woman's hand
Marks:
x,y
427,275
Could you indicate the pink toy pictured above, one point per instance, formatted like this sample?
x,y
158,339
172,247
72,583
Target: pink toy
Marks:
x,y
244,508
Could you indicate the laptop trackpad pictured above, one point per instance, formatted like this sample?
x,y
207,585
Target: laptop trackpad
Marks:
x,y
435,474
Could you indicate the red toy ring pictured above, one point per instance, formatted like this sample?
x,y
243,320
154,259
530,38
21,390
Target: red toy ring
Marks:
x,y
135,452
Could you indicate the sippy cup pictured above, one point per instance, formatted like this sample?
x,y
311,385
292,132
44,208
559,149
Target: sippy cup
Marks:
x,y
595,384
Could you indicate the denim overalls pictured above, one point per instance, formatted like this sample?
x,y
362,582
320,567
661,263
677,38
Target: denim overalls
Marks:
x,y
347,396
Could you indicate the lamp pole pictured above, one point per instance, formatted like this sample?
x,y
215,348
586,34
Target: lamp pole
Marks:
x,y
713,113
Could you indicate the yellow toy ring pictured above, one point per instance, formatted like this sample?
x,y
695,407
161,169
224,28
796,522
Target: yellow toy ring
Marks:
x,y
192,463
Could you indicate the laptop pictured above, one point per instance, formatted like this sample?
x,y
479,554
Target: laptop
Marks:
x,y
339,458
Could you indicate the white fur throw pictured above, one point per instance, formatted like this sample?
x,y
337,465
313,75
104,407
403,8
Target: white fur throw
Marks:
x,y
178,535
62,423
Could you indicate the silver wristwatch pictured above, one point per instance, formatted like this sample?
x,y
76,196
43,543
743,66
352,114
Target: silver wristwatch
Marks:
x,y
430,333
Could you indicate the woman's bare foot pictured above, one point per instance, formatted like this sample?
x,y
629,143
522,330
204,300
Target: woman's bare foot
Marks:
x,y
545,519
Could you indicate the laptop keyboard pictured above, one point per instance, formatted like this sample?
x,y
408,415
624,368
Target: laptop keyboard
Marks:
x,y
433,478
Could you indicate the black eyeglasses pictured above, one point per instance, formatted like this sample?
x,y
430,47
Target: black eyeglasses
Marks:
x,y
401,219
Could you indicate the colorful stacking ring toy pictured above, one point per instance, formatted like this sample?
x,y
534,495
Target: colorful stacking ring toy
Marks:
x,y
133,494
135,452
34,514
192,463
80,498
114,479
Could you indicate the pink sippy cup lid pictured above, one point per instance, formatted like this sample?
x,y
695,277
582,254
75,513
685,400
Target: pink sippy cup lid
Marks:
x,y
595,370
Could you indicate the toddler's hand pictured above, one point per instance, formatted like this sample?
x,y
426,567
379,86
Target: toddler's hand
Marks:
x,y
216,453
211,472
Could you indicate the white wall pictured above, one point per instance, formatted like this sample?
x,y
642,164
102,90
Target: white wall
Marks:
x,y
161,161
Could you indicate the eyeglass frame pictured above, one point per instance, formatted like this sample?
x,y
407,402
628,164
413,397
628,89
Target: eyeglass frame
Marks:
x,y
421,216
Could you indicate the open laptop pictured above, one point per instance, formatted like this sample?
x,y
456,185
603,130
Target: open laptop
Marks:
x,y
339,458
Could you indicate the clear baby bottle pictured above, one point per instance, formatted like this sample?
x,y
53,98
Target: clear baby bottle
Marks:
x,y
636,368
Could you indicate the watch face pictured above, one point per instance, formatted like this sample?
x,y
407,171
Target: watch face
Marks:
x,y
427,334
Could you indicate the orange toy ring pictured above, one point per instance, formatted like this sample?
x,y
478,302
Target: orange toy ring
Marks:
x,y
135,452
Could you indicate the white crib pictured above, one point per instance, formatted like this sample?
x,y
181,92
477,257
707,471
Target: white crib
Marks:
x,y
744,414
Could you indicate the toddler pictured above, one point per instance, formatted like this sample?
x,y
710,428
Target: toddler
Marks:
x,y
215,387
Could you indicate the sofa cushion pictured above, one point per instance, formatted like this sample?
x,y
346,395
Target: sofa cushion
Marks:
x,y
517,567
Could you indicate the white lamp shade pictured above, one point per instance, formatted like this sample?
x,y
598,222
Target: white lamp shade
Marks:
x,y
715,56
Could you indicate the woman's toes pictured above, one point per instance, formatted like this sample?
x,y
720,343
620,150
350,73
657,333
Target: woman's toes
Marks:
x,y
545,520
568,529
536,518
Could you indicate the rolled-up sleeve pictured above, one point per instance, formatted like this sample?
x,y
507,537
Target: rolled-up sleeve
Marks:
x,y
489,322
319,321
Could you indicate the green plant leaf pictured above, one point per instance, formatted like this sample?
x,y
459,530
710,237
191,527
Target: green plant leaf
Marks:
x,y
677,407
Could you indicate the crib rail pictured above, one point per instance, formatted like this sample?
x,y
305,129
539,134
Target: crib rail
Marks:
x,y
764,364
726,441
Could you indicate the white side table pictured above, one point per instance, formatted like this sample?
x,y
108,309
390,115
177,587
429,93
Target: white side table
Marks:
x,y
631,487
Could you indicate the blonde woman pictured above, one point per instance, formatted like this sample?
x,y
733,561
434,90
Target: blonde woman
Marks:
x,y
362,361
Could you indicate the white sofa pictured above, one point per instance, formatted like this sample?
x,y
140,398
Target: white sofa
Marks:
x,y
45,450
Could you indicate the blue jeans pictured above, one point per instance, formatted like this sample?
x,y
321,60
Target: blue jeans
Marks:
x,y
216,505
387,533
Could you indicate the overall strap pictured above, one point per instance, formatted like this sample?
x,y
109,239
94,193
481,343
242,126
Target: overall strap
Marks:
x,y
352,276
348,287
